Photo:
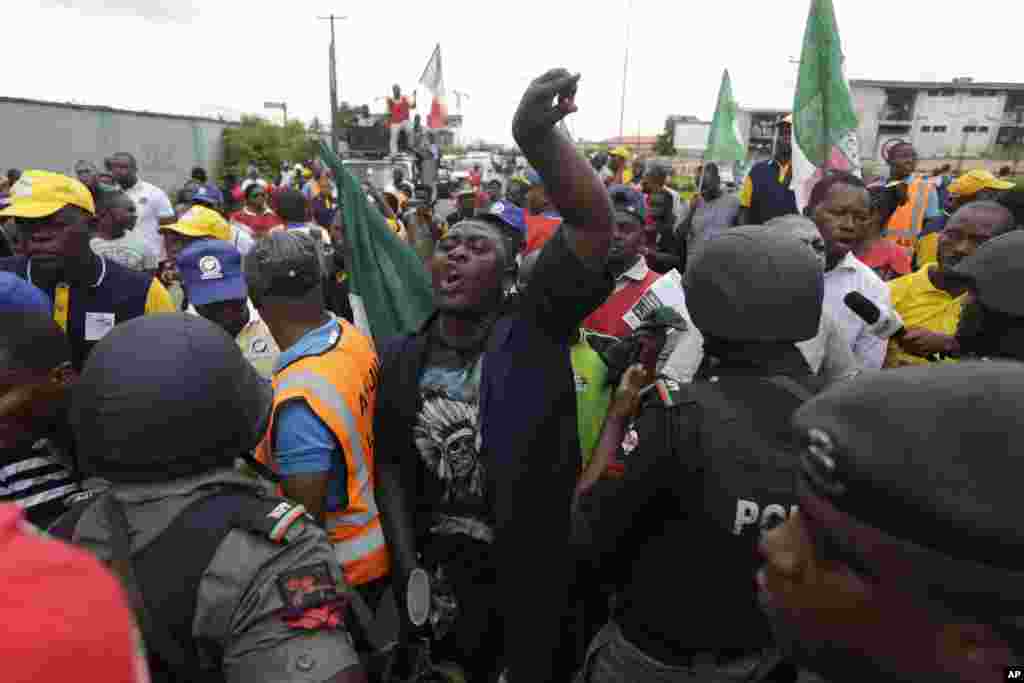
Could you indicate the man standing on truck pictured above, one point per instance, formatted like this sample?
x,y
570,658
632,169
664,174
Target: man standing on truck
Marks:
x,y
399,107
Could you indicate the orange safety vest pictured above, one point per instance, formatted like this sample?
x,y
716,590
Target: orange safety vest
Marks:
x,y
340,387
906,222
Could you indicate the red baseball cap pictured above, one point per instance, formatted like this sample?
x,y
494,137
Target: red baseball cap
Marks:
x,y
63,613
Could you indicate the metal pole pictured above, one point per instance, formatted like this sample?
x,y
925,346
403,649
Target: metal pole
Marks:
x,y
625,69
333,67
284,108
334,92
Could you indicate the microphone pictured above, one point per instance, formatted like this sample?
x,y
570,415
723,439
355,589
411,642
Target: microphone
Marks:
x,y
887,326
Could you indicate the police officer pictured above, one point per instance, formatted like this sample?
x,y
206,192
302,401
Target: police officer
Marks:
x,y
992,317
228,584
903,561
680,529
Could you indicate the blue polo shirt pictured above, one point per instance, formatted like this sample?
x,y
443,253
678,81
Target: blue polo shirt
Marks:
x,y
303,444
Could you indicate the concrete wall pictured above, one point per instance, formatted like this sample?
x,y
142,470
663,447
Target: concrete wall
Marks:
x,y
53,136
868,103
953,111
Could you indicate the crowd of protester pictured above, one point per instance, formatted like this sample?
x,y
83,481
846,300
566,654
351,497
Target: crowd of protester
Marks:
x,y
640,438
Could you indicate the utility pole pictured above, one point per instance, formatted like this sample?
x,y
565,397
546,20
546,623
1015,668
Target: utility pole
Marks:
x,y
625,69
333,61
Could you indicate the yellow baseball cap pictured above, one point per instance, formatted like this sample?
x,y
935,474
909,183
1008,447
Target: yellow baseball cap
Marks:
x,y
42,193
620,152
200,221
975,181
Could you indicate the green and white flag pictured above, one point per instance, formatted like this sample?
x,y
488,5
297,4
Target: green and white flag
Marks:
x,y
725,142
391,292
824,120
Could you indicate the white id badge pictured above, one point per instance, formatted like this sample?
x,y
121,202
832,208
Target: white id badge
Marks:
x,y
97,325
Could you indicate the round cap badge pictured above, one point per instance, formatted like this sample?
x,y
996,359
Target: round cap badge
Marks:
x,y
210,268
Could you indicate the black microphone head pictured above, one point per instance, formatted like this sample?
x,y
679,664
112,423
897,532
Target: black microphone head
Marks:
x,y
864,307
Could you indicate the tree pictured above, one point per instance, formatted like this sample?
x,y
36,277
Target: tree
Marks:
x,y
265,144
664,146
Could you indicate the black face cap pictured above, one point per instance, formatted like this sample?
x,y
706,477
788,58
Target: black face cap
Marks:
x,y
166,396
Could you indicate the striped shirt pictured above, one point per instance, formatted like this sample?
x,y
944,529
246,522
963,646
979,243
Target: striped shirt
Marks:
x,y
38,479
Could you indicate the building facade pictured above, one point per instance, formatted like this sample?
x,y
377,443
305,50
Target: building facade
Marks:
x,y
959,118
54,135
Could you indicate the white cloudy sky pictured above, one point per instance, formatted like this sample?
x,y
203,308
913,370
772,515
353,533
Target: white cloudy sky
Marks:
x,y
184,56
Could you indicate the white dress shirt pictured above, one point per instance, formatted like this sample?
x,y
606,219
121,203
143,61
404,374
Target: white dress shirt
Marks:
x,y
151,205
851,275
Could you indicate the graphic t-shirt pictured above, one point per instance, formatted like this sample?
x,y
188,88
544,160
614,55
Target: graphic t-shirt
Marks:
x,y
447,437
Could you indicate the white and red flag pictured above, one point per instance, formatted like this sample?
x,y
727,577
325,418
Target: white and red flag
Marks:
x,y
433,81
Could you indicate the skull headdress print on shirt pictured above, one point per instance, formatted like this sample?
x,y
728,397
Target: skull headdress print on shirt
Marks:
x,y
446,437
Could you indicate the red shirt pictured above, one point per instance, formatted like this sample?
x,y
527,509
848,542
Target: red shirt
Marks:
x,y
886,258
258,223
64,615
475,179
399,109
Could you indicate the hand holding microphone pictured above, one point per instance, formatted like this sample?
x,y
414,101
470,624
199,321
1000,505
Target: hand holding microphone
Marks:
x,y
888,325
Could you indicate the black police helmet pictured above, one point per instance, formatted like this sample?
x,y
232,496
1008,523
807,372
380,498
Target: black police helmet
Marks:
x,y
167,396
754,285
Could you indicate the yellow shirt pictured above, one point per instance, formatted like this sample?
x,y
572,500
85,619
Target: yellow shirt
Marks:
x,y
158,300
921,304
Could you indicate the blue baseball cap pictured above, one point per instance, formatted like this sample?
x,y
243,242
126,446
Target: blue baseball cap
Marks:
x,y
629,204
18,295
205,195
533,178
211,271
507,213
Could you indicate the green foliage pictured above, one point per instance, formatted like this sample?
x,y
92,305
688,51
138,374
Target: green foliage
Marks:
x,y
664,146
456,150
265,144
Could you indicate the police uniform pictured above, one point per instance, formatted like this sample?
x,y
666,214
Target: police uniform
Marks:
x,y
227,584
711,470
250,572
928,511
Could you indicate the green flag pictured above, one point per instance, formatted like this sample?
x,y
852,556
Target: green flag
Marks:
x,y
824,120
391,293
725,143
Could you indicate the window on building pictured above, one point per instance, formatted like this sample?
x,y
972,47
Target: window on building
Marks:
x,y
983,129
939,129
970,129
1010,135
947,92
899,105
926,129
933,93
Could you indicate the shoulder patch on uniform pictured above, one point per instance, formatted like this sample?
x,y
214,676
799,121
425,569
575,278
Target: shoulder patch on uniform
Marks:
x,y
278,520
82,496
307,587
671,393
